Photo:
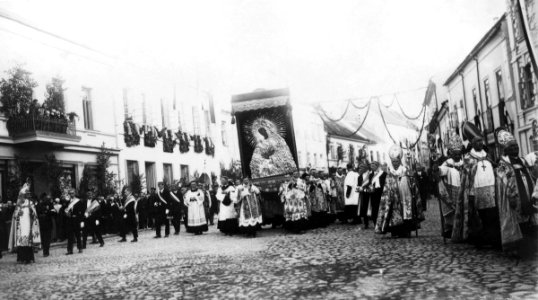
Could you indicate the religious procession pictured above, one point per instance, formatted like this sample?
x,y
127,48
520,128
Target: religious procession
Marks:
x,y
380,197
247,150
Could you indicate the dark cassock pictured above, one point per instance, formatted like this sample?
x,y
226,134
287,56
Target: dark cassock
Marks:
x,y
423,184
130,217
377,183
514,189
46,214
214,210
24,235
74,215
449,184
400,212
227,196
318,203
94,216
196,219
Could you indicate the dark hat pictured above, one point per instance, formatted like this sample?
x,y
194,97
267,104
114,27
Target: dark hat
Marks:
x,y
470,132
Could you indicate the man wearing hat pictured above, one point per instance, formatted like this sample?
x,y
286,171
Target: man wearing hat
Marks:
x,y
399,212
162,207
377,183
480,225
515,187
450,182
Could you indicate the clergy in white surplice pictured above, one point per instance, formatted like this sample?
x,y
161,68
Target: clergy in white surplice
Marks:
x,y
351,195
196,219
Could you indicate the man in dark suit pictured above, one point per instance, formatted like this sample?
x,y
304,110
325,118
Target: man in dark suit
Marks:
x,y
161,204
46,213
377,183
365,175
175,208
93,219
74,214
423,183
130,218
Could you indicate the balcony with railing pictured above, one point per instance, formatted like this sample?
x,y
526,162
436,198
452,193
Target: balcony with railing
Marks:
x,y
39,128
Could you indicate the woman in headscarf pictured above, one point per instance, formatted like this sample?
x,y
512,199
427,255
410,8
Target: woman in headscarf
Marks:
x,y
24,235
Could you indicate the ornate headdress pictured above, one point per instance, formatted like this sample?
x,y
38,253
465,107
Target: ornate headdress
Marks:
x,y
395,152
505,138
25,189
455,143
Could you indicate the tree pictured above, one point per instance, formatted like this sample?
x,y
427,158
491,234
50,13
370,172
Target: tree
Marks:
x,y
105,180
19,170
55,95
87,181
16,92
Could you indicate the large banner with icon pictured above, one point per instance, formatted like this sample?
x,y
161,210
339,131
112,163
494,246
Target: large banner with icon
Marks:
x,y
266,136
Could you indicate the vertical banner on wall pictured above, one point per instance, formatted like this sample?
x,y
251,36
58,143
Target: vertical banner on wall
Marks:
x,y
266,135
526,11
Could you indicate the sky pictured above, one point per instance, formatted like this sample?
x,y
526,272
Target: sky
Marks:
x,y
322,50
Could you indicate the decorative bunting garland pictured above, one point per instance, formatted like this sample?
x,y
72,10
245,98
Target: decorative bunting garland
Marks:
x,y
405,115
390,135
338,119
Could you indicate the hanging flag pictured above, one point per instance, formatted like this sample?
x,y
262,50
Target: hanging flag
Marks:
x,y
430,91
174,97
162,114
528,33
212,109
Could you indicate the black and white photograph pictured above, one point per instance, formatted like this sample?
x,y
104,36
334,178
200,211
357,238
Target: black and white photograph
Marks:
x,y
269,149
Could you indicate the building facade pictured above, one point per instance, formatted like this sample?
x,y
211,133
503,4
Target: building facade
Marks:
x,y
522,34
482,88
109,99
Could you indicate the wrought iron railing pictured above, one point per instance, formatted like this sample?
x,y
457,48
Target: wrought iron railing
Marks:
x,y
25,123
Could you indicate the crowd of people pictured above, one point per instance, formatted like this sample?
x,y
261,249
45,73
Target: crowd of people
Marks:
x,y
485,202
481,202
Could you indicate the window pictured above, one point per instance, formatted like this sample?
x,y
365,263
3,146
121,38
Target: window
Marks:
x,y
500,85
185,172
87,108
300,157
196,120
168,174
308,158
526,85
206,121
475,101
378,156
150,175
132,170
333,152
224,133
371,155
488,122
315,159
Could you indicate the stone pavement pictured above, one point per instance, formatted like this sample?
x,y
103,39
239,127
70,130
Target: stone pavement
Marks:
x,y
338,262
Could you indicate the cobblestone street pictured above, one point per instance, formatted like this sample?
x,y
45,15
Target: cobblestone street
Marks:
x,y
338,262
